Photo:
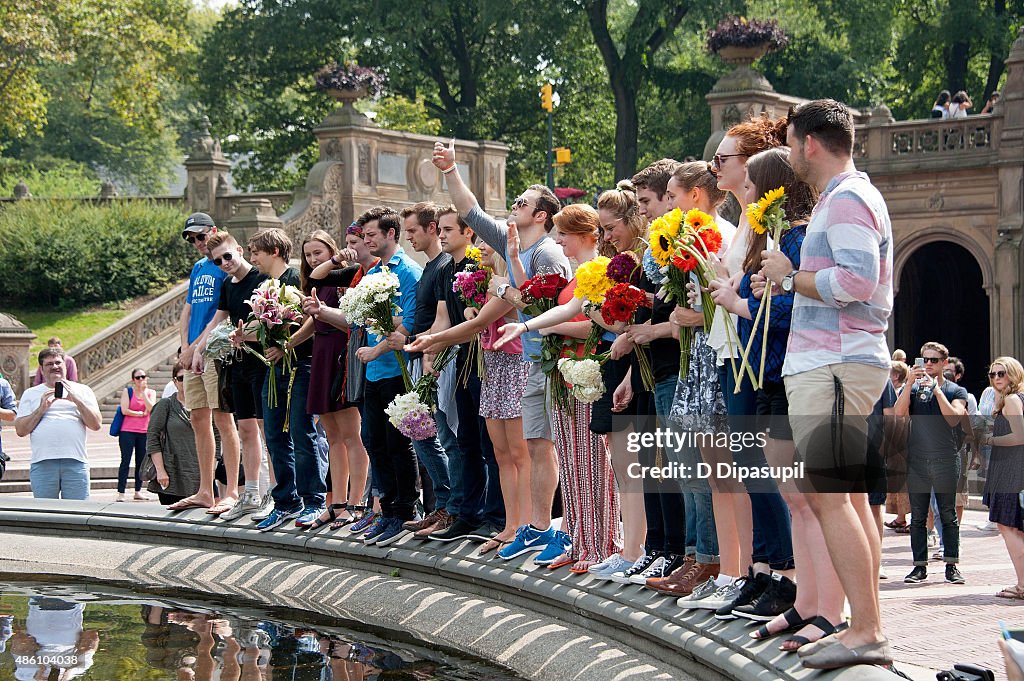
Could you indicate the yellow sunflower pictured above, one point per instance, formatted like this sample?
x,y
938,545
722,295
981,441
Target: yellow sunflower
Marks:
x,y
697,219
767,202
755,216
669,223
592,280
662,246
474,254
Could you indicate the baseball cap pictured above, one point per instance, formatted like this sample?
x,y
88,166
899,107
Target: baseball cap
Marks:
x,y
197,222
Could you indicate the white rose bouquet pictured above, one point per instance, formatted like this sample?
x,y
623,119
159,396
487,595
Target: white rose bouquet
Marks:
x,y
584,375
371,303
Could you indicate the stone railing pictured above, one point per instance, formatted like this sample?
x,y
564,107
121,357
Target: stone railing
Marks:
x,y
280,201
128,336
929,144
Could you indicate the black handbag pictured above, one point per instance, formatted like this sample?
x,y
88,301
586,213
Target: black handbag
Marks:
x,y
227,401
3,464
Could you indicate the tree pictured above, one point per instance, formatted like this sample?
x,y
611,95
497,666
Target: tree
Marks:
x,y
629,63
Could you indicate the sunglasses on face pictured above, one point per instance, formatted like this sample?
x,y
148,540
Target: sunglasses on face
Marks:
x,y
996,374
932,360
716,162
192,238
179,378
139,377
519,203
227,257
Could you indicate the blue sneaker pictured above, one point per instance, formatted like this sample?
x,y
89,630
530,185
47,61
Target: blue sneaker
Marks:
x,y
376,529
360,525
276,518
558,545
309,515
393,533
527,539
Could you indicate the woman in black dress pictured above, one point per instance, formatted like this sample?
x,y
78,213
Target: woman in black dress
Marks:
x,y
1005,482
327,387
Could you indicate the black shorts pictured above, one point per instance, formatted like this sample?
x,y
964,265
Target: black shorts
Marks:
x,y
773,411
247,378
602,419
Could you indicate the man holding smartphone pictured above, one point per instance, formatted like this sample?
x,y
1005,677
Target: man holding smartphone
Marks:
x,y
56,414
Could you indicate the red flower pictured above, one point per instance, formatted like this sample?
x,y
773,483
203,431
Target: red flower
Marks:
x,y
621,303
685,262
544,285
712,239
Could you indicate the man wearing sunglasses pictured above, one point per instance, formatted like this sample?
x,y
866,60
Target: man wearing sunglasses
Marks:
x,y
936,407
202,395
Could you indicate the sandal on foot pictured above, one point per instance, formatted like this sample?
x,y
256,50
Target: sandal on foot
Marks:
x,y
821,623
222,506
794,622
902,529
356,514
332,516
894,524
582,567
491,545
1014,592
560,562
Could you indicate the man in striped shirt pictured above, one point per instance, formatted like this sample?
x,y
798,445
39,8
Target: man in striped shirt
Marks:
x,y
837,363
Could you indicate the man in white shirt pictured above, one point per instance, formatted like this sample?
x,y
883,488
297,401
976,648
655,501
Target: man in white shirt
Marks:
x,y
56,414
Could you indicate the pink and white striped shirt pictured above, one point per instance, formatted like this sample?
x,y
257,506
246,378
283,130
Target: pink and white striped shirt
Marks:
x,y
849,248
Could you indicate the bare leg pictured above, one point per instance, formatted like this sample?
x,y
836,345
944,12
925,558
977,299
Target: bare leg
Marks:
x,y
252,448
358,460
206,448
520,454
543,481
229,446
1014,540
338,457
733,522
631,497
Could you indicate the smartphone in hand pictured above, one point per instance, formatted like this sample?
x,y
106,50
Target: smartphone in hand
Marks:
x,y
58,390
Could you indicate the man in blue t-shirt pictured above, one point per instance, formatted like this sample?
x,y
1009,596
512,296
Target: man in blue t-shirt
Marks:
x,y
7,405
202,395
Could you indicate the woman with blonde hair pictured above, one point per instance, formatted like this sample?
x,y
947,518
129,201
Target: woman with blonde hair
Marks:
x,y
1004,487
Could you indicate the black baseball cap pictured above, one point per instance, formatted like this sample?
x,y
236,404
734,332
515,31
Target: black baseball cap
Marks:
x,y
197,222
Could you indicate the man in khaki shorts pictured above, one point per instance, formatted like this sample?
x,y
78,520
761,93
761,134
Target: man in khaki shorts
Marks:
x,y
202,395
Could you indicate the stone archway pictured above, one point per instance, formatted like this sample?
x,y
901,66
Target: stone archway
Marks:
x,y
942,296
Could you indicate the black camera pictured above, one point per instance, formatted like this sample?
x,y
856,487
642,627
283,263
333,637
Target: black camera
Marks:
x,y
966,672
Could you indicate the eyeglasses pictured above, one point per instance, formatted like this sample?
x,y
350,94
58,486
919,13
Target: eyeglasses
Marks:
x,y
996,374
520,202
933,360
716,162
227,257
192,238
140,377
179,378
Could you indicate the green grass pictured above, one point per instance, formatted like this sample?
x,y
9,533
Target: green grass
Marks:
x,y
71,327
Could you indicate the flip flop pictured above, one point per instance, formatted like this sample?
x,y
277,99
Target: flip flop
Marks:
x,y
221,507
1013,592
561,561
186,504
332,517
587,564
491,545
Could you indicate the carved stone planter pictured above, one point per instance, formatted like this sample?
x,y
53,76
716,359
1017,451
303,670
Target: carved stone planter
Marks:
x,y
742,56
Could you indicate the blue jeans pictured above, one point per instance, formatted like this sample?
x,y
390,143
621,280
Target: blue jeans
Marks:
x,y
59,479
482,501
773,529
130,442
450,443
435,461
664,503
299,466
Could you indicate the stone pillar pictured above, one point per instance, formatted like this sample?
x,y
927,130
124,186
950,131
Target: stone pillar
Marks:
x,y
21,191
207,171
15,341
1007,335
252,215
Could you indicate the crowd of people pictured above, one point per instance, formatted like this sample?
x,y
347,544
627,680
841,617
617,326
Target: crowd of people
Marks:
x,y
829,403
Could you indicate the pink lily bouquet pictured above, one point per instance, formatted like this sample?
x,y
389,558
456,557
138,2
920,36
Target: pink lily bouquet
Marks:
x,y
276,312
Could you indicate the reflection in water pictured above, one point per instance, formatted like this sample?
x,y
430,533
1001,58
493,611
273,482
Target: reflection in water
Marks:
x,y
47,634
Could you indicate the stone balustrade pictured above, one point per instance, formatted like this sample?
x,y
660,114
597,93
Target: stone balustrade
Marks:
x,y
883,144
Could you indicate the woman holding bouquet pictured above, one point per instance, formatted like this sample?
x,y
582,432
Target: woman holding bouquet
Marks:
x,y
624,232
817,604
328,394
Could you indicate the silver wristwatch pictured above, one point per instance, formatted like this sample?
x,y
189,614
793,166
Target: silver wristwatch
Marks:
x,y
788,281
501,290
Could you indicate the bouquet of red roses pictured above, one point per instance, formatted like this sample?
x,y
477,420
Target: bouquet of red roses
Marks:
x,y
621,303
540,294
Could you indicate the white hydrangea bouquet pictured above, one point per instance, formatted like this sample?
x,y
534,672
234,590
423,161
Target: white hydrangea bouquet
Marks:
x,y
412,413
371,303
584,375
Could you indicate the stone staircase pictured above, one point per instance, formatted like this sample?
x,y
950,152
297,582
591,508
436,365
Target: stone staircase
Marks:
x,y
159,375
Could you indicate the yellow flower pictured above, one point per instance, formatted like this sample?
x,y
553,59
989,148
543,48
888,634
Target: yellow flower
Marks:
x,y
662,246
767,202
668,223
592,280
698,219
473,253
755,216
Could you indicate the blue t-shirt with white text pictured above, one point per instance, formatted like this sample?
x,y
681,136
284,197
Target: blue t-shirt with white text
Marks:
x,y
203,295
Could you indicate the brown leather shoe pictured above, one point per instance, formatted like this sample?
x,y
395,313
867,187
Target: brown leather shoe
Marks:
x,y
429,520
683,568
683,581
442,521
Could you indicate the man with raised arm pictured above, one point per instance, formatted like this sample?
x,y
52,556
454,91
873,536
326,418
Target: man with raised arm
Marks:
x,y
532,213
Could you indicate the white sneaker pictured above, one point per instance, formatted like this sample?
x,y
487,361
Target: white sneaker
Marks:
x,y
702,592
988,527
618,566
622,575
882,574
247,504
723,595
655,569
266,506
933,539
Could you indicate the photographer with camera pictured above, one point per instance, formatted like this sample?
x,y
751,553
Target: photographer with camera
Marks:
x,y
56,414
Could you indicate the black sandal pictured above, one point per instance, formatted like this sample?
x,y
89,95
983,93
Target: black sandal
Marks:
x,y
356,514
331,517
826,627
794,622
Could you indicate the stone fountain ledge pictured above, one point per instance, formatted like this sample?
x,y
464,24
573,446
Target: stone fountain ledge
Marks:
x,y
541,624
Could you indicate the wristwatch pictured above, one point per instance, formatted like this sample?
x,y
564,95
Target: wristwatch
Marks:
x,y
501,290
788,281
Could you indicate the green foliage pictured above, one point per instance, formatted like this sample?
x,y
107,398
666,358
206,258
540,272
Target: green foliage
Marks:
x,y
66,254
48,177
72,327
400,113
